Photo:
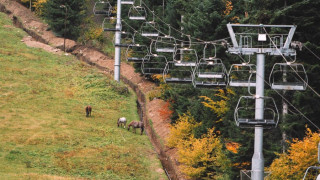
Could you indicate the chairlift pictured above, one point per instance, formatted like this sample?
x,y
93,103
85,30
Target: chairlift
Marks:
x,y
136,53
102,8
244,113
241,75
288,76
153,64
316,168
109,24
210,73
137,13
127,2
127,40
180,75
149,29
166,44
185,57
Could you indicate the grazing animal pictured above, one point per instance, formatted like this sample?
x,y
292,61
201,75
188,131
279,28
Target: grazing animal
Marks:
x,y
122,121
88,111
136,124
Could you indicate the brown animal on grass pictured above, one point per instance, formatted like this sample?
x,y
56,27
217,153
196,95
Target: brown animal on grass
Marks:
x,y
88,111
136,124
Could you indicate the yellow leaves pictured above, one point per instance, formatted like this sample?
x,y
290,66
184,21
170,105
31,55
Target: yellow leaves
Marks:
x,y
301,155
38,5
93,33
199,156
219,107
182,130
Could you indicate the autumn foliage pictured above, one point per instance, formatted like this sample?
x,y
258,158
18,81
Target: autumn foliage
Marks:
x,y
301,155
201,158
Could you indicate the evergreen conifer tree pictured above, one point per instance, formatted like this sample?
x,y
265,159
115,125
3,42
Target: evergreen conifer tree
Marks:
x,y
64,16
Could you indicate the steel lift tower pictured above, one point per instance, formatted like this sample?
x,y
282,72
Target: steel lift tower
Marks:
x,y
259,40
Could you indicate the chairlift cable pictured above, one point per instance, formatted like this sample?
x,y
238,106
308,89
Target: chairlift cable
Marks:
x,y
291,104
136,31
291,67
311,52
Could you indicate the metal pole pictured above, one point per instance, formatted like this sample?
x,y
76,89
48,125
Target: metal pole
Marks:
x,y
258,159
117,55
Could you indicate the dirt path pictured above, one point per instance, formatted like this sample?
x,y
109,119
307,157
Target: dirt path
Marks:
x,y
41,38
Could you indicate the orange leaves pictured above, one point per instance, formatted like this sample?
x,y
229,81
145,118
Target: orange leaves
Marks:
x,y
301,155
229,7
233,147
165,111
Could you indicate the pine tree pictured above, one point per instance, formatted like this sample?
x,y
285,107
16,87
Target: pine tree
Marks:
x,y
64,16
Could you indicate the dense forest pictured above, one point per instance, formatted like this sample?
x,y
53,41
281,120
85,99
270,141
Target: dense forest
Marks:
x,y
203,118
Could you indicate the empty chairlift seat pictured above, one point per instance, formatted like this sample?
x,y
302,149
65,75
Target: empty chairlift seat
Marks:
x,y
149,29
185,57
109,24
126,40
136,53
102,8
288,76
242,75
244,113
175,74
137,13
210,73
166,44
153,64
128,2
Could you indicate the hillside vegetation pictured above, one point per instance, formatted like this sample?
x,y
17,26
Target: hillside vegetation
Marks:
x,y
44,133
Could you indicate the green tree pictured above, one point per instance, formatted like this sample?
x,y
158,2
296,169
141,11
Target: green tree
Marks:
x,y
72,13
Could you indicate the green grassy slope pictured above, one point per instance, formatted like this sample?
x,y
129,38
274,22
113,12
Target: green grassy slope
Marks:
x,y
44,133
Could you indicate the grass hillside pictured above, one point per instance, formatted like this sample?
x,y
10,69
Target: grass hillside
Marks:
x,y
44,133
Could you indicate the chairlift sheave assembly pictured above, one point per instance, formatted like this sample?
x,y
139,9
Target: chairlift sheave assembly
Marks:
x,y
244,113
102,8
288,76
153,64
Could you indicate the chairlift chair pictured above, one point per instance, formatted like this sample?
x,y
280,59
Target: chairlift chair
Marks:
x,y
166,44
288,76
127,2
244,113
180,75
137,13
153,64
149,29
185,57
210,73
126,40
241,75
109,24
102,8
136,53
